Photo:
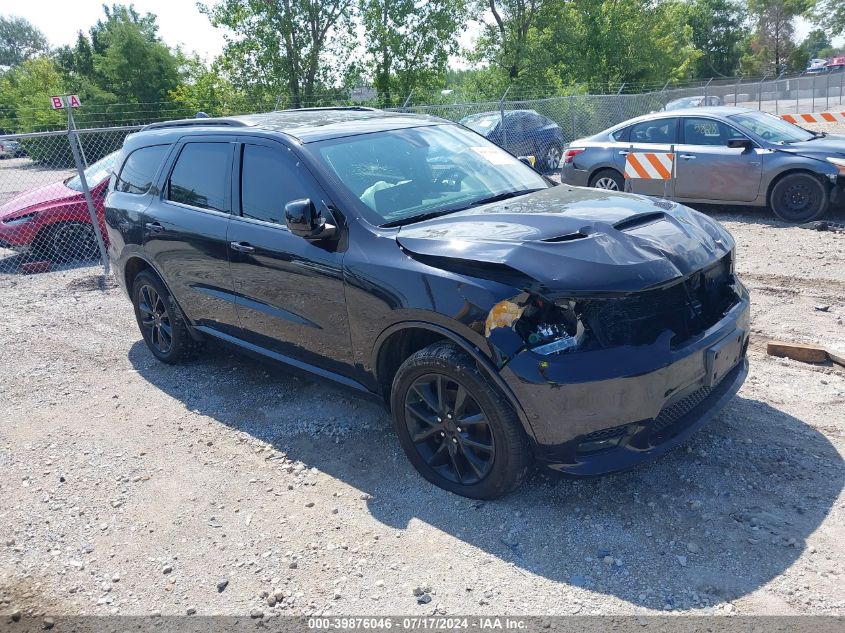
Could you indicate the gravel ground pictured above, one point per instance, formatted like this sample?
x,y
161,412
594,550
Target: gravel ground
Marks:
x,y
228,486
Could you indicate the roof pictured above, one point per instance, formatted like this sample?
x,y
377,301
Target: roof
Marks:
x,y
715,111
307,124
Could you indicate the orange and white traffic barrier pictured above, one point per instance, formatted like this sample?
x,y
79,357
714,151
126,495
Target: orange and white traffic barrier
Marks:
x,y
649,165
815,117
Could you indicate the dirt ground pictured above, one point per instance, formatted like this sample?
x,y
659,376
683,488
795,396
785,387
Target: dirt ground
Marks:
x,y
228,486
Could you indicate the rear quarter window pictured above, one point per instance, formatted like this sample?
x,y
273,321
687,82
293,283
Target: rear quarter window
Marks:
x,y
140,168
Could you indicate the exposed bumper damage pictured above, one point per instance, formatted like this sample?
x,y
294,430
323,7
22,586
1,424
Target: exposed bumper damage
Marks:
x,y
631,328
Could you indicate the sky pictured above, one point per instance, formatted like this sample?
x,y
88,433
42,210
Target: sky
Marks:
x,y
180,23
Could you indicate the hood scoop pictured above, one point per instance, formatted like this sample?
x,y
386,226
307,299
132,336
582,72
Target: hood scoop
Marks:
x,y
568,237
639,220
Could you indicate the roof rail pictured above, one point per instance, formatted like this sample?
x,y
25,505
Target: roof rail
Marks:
x,y
324,108
194,122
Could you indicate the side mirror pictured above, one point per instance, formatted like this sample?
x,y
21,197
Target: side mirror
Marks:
x,y
744,144
303,219
528,160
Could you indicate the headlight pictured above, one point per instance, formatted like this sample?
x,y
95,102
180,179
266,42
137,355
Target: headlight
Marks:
x,y
21,219
839,162
544,327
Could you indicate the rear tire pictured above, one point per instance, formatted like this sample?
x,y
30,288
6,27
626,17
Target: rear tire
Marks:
x,y
799,198
456,427
551,158
161,321
608,179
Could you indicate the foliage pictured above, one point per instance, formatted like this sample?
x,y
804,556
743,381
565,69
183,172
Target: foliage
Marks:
x,y
772,41
408,43
718,31
293,46
24,96
19,41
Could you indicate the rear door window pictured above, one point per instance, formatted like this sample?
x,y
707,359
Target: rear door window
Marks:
x,y
200,175
657,131
140,168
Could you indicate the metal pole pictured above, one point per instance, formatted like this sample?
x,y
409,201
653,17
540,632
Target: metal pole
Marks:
x,y
706,86
827,92
736,91
502,117
73,140
572,112
813,106
622,87
841,75
798,94
760,93
408,99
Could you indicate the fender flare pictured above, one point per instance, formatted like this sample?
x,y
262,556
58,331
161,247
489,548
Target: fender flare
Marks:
x,y
475,353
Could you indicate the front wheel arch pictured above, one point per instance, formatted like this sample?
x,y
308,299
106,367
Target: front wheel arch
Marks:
x,y
484,363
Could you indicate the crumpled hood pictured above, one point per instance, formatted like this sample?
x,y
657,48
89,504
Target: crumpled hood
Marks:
x,y
572,239
830,145
54,192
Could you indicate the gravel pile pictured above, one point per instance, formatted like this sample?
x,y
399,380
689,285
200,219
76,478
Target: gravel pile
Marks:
x,y
228,486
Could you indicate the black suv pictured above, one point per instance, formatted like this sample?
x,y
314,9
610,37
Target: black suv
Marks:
x,y
503,318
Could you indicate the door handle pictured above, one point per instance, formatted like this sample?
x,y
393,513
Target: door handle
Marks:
x,y
154,227
687,156
242,247
623,153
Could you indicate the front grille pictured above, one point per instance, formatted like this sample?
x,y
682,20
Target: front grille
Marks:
x,y
686,308
674,412
606,434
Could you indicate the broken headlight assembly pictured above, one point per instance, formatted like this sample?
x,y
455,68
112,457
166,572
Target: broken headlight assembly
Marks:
x,y
545,327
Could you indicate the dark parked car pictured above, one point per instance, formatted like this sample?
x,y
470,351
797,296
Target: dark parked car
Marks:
x,y
724,155
503,319
525,133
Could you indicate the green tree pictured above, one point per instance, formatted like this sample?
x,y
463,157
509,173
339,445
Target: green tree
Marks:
x,y
774,32
207,89
293,45
121,61
19,40
408,42
25,91
718,31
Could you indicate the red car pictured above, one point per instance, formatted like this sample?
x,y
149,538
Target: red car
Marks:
x,y
53,221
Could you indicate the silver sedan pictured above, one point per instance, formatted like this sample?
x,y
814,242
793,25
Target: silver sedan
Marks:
x,y
723,155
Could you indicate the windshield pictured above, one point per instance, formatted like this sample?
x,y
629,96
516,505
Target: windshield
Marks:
x,y
95,174
402,175
771,128
482,123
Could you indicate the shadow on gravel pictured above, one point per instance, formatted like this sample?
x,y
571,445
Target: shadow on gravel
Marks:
x,y
710,522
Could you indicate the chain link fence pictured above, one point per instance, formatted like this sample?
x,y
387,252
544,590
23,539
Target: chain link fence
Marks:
x,y
47,219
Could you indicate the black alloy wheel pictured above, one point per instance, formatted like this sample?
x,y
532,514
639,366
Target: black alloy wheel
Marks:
x,y
449,429
155,319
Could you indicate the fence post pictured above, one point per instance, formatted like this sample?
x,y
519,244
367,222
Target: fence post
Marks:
x,y
706,87
736,91
760,93
408,99
621,88
502,117
75,147
841,75
813,102
572,114
798,95
827,91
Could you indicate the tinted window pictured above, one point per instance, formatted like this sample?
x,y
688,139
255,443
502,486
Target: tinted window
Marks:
x,y
657,131
270,178
140,168
199,177
708,132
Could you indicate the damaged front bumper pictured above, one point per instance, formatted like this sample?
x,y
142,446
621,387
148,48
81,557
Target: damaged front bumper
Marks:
x,y
606,410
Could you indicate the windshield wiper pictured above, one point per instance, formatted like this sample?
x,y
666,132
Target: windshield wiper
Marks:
x,y
434,214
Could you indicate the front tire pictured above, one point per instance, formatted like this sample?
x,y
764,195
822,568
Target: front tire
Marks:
x,y
799,198
160,320
455,426
68,242
608,179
